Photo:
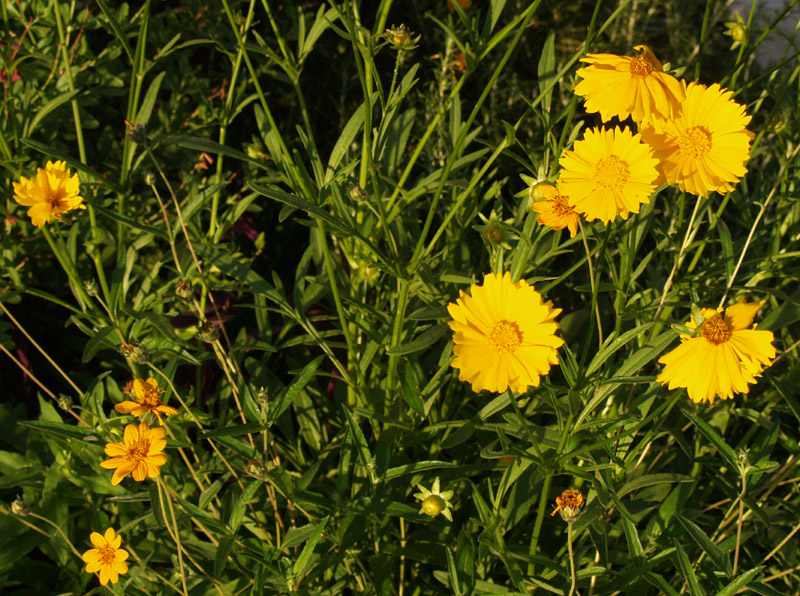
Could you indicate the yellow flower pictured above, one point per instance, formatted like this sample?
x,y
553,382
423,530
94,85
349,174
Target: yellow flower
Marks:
x,y
52,192
106,556
704,148
723,356
622,85
569,504
504,335
148,395
608,173
555,210
140,454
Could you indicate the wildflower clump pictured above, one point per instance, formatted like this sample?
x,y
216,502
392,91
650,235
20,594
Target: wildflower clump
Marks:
x,y
106,559
505,335
723,357
49,194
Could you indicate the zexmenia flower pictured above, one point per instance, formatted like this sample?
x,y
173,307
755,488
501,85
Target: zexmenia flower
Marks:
x,y
504,335
106,556
140,453
148,396
608,173
52,192
622,85
702,149
723,357
555,210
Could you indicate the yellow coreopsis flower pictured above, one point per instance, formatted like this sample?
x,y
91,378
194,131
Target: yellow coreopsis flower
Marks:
x,y
139,454
608,173
106,557
723,357
148,396
624,85
555,210
504,335
52,192
702,149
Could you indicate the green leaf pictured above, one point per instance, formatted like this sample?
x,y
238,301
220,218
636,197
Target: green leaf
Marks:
x,y
73,163
725,450
740,582
688,571
362,447
47,108
703,541
465,560
149,101
427,338
224,549
60,429
207,146
421,466
305,556
336,224
547,70
285,399
611,345
237,513
131,223
650,480
632,537
452,573
235,431
297,536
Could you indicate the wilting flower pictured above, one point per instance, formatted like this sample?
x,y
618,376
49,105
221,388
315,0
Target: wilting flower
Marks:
x,y
435,502
704,148
555,210
622,85
723,356
52,192
139,454
569,504
106,556
608,173
504,335
148,395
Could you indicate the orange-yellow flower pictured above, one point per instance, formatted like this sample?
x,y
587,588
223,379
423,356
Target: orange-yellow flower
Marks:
x,y
622,85
555,210
139,454
723,357
106,557
52,192
704,148
504,335
148,395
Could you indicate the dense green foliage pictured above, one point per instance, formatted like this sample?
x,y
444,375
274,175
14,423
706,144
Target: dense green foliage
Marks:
x,y
279,257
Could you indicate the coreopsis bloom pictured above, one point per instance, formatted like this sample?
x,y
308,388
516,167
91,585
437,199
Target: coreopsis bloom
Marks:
x,y
723,357
50,193
139,454
702,149
504,335
435,502
624,85
608,173
106,557
148,395
555,210
569,504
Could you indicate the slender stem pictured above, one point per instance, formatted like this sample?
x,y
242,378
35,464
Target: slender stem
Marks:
x,y
537,527
173,532
592,282
572,560
739,523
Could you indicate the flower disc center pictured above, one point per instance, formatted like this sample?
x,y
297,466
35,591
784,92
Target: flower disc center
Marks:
x,y
716,330
695,142
561,206
612,173
138,451
640,66
505,337
107,554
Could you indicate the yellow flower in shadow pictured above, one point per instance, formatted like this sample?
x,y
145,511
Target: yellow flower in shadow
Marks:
x,y
52,192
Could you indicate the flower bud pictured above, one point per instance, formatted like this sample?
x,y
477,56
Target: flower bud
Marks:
x,y
64,402
433,505
90,286
136,352
209,332
20,507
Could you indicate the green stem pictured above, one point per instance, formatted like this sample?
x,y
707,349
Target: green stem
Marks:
x,y
400,310
571,560
537,527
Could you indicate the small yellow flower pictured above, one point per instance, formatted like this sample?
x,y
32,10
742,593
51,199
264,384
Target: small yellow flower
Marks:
x,y
723,356
569,504
624,85
435,502
555,210
608,173
148,395
504,335
106,556
704,148
139,454
52,192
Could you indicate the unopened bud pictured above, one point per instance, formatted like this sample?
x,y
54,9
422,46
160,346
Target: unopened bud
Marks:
x,y
90,286
64,402
183,289
149,179
136,352
209,332
255,468
20,507
136,132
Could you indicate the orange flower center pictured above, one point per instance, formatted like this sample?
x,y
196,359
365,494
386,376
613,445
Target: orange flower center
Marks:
x,y
570,499
695,142
151,398
54,198
505,337
561,206
108,554
716,330
640,66
138,451
612,172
